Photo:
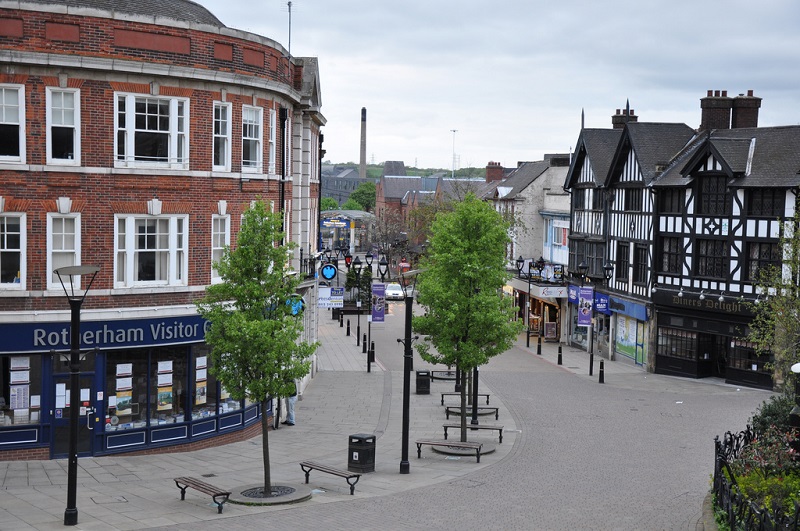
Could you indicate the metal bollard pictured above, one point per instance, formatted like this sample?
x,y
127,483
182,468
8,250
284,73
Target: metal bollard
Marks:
x,y
602,378
348,330
559,353
539,346
364,345
372,352
341,319
591,362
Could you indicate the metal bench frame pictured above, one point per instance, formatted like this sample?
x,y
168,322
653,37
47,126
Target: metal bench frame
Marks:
x,y
205,488
452,444
308,466
450,410
493,427
456,393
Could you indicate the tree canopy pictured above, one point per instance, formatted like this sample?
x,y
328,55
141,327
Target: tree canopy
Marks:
x,y
328,203
365,195
254,334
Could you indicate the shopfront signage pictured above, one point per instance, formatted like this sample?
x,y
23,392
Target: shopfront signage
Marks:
x,y
130,333
552,292
334,222
601,303
629,308
330,298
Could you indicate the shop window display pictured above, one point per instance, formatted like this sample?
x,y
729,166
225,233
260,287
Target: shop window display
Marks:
x,y
168,385
126,389
20,390
205,386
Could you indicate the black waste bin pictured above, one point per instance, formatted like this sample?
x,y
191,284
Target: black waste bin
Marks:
x,y
423,382
361,453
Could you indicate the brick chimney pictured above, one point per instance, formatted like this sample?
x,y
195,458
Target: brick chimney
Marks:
x,y
622,117
716,110
494,172
745,111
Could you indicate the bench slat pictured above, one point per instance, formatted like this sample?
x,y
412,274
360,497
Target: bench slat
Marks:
x,y
205,488
453,444
455,393
493,427
451,410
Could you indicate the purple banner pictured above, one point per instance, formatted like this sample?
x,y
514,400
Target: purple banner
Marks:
x,y
585,306
378,302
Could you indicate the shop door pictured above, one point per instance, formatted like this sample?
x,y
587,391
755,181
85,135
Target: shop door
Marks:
x,y
86,421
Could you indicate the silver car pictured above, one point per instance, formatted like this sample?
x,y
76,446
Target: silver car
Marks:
x,y
394,292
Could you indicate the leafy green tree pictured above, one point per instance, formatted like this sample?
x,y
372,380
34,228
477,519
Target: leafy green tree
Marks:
x,y
775,329
352,204
468,320
328,203
254,336
365,196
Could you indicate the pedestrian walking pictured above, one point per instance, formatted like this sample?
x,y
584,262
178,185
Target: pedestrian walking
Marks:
x,y
290,402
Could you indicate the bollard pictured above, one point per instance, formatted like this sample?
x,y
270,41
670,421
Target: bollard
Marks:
x,y
559,353
369,365
602,378
341,319
539,346
591,363
348,330
364,345
372,352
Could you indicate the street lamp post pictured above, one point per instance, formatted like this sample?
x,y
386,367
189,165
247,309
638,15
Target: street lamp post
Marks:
x,y
74,273
369,258
583,269
357,269
383,267
405,466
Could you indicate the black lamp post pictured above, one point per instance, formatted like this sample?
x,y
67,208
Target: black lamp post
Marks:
x,y
73,274
357,269
405,466
369,258
383,267
583,269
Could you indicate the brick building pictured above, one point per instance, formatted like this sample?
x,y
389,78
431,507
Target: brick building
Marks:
x,y
134,137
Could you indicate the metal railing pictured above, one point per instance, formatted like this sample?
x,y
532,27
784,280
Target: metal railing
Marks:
x,y
741,513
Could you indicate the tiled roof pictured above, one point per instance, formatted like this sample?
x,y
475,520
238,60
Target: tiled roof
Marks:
x,y
654,145
598,145
522,177
396,186
394,167
180,10
752,157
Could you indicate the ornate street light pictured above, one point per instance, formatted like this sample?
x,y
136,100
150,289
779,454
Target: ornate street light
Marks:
x,y
608,270
74,275
348,259
583,269
405,466
368,258
383,267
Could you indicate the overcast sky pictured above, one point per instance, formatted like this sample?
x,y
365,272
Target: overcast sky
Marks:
x,y
512,76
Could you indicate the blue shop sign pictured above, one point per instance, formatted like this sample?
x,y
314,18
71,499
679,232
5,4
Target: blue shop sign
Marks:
x,y
631,309
133,333
572,294
601,303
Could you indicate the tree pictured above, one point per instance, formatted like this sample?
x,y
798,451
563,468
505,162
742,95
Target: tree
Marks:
x,y
775,329
328,203
468,320
352,204
254,332
365,195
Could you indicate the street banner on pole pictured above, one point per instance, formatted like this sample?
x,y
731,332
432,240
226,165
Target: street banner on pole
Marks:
x,y
378,302
585,304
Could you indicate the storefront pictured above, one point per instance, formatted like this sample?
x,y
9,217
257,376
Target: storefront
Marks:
x,y
145,383
589,319
631,329
701,337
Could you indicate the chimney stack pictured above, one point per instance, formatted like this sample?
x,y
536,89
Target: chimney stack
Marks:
x,y
494,172
622,117
362,167
716,110
745,111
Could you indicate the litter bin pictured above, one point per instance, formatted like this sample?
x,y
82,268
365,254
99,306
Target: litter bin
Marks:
x,y
423,382
361,454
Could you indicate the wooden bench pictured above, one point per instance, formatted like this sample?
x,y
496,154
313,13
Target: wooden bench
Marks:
x,y
494,427
456,393
450,444
205,488
443,375
308,466
456,410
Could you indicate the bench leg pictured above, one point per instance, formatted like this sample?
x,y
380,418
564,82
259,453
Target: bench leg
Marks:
x,y
219,504
306,471
442,399
445,433
183,490
419,451
478,454
353,484
497,415
487,400
501,436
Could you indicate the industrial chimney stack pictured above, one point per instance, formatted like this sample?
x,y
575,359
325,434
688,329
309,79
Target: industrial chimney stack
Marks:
x,y
362,167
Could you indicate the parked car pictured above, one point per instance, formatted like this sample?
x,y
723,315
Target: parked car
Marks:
x,y
394,292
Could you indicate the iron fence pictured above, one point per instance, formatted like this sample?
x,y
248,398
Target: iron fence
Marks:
x,y
741,513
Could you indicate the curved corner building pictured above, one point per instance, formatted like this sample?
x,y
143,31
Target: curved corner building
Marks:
x,y
133,135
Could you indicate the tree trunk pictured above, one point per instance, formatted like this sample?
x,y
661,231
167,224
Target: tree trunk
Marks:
x,y
463,406
265,447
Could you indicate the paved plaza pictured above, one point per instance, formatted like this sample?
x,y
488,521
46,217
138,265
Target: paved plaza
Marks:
x,y
635,452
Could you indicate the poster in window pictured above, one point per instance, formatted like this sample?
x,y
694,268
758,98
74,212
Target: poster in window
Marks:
x,y
165,398
124,369
124,402
164,379
19,377
19,396
164,366
201,394
201,375
61,395
201,362
36,401
124,384
20,363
